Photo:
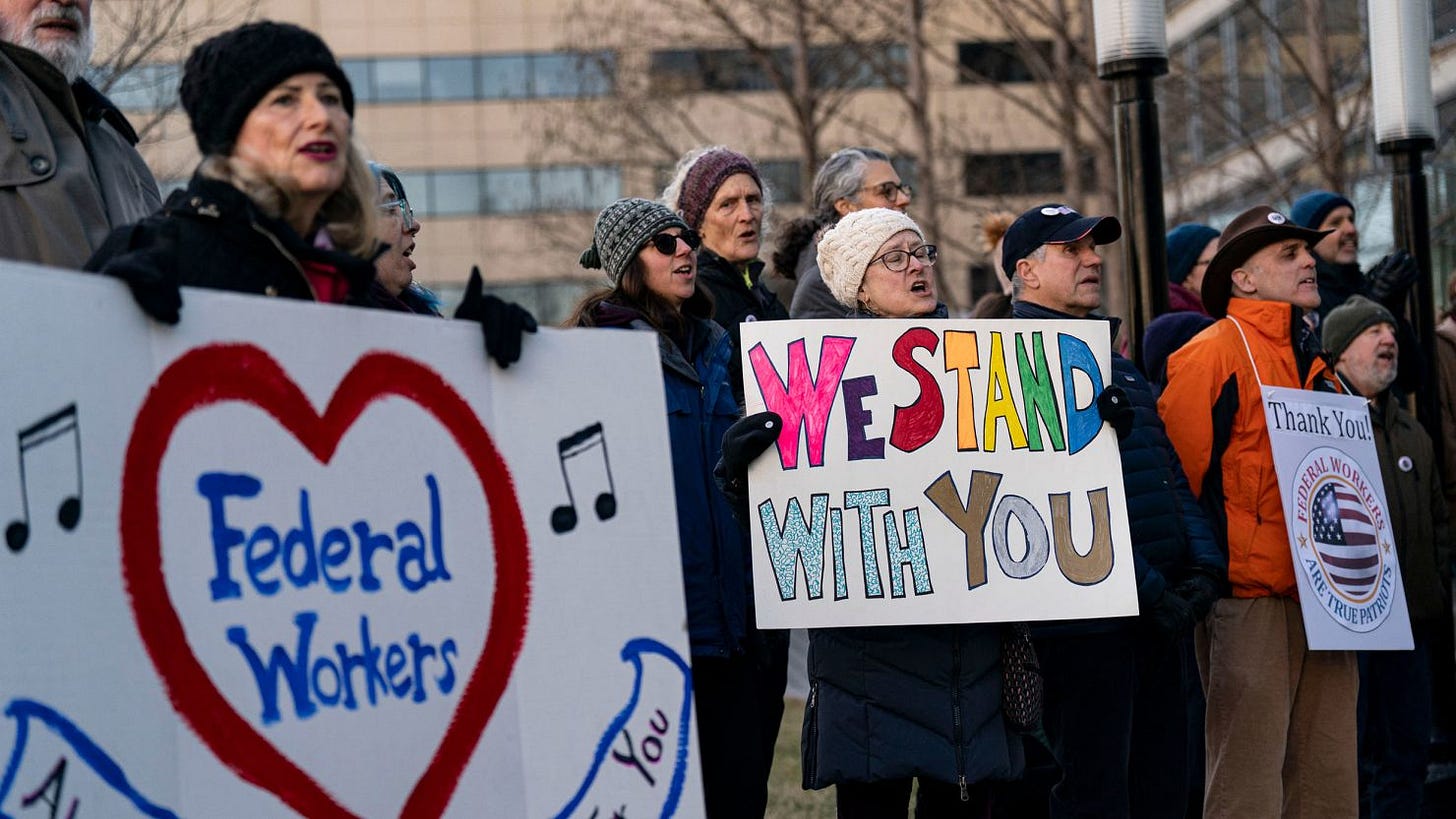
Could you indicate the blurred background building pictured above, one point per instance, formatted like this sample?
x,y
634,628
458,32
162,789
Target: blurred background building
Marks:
x,y
513,122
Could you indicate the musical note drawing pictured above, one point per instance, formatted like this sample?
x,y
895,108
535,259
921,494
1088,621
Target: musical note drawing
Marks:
x,y
60,423
563,518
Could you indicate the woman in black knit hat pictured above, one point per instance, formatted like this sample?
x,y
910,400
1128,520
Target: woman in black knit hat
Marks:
x,y
650,258
283,202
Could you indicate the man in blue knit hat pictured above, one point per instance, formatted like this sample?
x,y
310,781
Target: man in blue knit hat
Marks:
x,y
1337,271
1337,262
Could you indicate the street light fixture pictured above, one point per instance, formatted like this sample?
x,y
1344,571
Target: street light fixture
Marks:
x,y
1405,128
1132,50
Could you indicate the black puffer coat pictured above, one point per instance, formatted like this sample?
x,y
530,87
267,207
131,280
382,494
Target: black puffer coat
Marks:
x,y
212,235
1170,535
735,302
898,701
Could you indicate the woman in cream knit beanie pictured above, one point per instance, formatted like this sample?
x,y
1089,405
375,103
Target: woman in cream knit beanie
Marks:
x,y
856,269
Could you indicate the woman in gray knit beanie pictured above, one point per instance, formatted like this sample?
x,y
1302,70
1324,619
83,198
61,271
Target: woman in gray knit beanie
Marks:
x,y
650,256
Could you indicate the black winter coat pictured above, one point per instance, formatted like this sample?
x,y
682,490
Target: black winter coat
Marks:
x,y
212,235
1170,535
735,302
890,702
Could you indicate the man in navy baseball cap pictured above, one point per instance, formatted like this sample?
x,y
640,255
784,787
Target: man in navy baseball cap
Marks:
x,y
1053,224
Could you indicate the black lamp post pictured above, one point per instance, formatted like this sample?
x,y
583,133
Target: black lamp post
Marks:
x,y
1132,50
1405,128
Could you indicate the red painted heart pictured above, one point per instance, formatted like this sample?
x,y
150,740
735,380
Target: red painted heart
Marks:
x,y
245,373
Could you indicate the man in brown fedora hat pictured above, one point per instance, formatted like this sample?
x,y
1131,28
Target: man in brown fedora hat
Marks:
x,y
1280,723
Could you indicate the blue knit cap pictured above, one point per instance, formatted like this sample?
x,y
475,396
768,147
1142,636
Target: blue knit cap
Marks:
x,y
1311,209
1185,243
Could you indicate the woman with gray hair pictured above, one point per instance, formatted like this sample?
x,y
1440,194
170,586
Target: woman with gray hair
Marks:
x,y
850,180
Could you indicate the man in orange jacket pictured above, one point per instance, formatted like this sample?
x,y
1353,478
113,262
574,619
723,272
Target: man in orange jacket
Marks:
x,y
1280,725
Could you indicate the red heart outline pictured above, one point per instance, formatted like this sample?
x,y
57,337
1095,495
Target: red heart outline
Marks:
x,y
243,372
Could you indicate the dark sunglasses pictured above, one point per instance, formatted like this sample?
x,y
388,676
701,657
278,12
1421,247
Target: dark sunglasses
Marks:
x,y
666,243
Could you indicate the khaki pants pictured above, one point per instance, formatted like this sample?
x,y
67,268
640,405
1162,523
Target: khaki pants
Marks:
x,y
1280,727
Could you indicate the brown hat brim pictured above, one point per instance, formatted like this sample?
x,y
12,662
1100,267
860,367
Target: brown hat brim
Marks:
x,y
1217,285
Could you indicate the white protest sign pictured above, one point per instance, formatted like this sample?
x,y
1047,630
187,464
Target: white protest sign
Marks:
x,y
1350,590
935,471
290,559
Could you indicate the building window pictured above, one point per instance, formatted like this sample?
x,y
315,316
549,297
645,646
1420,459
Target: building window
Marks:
x,y
782,176
399,80
143,88
572,75
418,79
1013,174
450,78
1000,62
512,191
679,71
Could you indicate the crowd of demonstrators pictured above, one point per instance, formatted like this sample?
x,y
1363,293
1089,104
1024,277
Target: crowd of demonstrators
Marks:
x,y
1280,726
1395,686
284,204
942,725
69,169
650,256
851,179
1116,688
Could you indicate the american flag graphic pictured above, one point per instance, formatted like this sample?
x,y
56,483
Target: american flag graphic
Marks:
x,y
1346,540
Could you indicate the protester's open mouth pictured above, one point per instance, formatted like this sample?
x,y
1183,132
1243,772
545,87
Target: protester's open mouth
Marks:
x,y
325,151
920,286
58,24
1386,355
683,270
1306,280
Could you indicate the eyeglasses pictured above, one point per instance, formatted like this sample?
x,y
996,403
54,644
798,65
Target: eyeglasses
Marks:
x,y
886,190
898,261
401,205
666,243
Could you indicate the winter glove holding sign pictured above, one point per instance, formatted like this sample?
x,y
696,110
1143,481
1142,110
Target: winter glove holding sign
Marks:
x,y
1116,409
743,442
502,323
150,272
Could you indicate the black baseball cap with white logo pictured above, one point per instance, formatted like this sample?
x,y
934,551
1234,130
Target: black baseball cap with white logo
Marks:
x,y
1053,224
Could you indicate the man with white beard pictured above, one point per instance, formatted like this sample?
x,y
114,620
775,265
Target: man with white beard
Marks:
x,y
69,169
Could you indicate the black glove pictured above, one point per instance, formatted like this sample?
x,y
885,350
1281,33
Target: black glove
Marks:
x,y
1116,409
1390,280
1170,616
502,323
150,272
742,444
1201,592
